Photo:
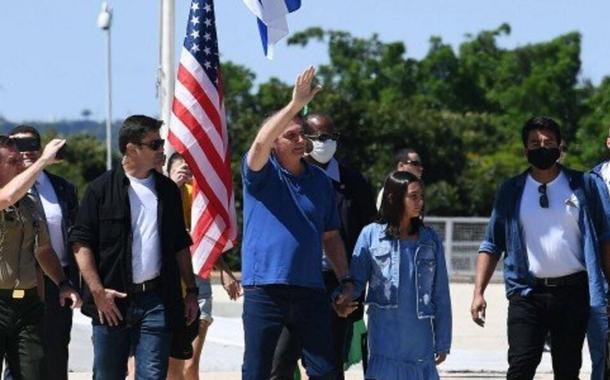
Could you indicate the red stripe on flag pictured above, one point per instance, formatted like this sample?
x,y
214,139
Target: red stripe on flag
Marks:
x,y
191,84
213,200
203,140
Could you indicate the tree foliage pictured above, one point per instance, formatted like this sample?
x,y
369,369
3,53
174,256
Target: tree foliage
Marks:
x,y
461,109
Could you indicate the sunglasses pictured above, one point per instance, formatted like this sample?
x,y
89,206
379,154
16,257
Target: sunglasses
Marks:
x,y
324,136
544,199
154,145
26,144
413,162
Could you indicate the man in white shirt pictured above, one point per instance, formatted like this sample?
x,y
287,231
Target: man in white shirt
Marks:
x,y
59,204
132,248
550,226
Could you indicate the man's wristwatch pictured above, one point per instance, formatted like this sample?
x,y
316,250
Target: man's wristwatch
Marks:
x,y
192,290
346,280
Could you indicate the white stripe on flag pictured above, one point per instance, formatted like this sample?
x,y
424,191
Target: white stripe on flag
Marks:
x,y
211,176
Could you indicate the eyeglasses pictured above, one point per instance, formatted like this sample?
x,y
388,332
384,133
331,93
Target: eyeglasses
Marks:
x,y
293,136
544,199
324,136
413,162
154,145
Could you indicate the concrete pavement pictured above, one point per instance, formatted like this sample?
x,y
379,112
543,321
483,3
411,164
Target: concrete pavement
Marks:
x,y
477,353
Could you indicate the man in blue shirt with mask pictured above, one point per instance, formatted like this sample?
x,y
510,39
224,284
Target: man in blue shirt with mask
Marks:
x,y
550,224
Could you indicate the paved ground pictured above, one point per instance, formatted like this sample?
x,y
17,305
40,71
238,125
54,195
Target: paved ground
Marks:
x,y
477,353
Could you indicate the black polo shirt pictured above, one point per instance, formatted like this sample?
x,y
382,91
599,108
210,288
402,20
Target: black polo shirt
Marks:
x,y
103,224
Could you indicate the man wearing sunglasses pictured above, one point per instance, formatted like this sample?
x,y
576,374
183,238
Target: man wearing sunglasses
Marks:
x,y
550,224
132,248
355,203
405,160
58,203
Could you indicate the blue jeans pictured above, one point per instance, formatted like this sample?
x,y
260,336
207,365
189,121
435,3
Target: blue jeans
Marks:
x,y
145,332
304,312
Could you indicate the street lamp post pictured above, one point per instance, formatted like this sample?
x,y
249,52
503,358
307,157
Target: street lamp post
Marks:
x,y
104,22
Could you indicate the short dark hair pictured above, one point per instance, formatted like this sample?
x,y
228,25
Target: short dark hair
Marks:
x,y
403,155
323,118
392,202
134,129
173,158
24,128
543,123
6,142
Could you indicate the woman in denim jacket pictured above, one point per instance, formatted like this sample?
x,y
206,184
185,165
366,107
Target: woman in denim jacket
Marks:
x,y
409,313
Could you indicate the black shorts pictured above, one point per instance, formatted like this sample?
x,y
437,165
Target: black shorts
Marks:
x,y
182,339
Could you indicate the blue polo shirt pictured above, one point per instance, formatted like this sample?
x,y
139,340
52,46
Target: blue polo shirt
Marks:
x,y
285,217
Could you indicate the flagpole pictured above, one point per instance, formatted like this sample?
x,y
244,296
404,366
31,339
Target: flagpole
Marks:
x,y
104,22
166,76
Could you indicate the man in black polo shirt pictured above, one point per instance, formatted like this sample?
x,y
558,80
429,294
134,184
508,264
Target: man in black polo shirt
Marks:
x,y
132,246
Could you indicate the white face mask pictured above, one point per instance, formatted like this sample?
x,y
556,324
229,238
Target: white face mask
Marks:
x,y
323,151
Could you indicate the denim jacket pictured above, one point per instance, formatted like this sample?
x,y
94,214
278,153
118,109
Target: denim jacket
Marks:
x,y
376,260
504,232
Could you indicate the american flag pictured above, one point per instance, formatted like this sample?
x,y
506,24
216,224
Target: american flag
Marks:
x,y
198,131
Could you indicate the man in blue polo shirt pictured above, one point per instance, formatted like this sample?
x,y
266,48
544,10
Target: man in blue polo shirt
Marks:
x,y
290,216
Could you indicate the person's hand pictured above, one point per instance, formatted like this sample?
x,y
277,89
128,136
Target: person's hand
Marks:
x,y
304,90
231,285
191,306
181,175
67,293
107,310
477,309
50,150
440,357
344,304
345,309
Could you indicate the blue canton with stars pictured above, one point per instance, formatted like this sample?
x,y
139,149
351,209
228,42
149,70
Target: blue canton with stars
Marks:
x,y
201,38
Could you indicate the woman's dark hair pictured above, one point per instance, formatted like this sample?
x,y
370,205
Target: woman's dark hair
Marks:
x,y
392,203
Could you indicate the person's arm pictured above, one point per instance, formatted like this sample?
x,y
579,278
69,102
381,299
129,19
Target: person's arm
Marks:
x,y
107,310
83,236
185,266
360,271
485,266
442,301
335,252
231,285
21,183
48,261
490,251
303,93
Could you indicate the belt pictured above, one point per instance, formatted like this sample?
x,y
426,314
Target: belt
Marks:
x,y
18,293
578,278
146,286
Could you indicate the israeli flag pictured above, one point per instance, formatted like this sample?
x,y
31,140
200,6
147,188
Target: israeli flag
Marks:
x,y
271,17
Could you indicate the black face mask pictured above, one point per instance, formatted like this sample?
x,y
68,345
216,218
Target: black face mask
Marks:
x,y
543,158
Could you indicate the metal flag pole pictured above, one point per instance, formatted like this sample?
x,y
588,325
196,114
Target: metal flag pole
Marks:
x,y
167,75
104,22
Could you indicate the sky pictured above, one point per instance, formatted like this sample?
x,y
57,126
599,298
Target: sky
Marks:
x,y
52,54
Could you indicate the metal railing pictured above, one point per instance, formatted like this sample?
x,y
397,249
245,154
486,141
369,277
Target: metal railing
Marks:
x,y
461,238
